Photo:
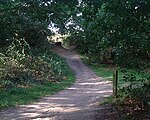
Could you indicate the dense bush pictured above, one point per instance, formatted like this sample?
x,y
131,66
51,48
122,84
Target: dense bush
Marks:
x,y
25,53
20,69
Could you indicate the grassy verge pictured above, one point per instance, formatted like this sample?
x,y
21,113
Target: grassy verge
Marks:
x,y
19,95
106,72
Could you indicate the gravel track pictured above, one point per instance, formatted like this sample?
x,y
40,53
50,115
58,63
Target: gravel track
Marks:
x,y
78,102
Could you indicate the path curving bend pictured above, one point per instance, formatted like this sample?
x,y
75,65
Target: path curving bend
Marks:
x,y
78,102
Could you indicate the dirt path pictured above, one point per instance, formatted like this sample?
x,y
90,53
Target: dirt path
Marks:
x,y
79,102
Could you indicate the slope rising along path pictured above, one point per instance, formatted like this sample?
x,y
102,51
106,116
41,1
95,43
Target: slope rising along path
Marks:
x,y
78,102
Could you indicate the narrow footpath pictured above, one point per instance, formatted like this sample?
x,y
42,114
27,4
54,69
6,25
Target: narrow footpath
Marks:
x,y
78,102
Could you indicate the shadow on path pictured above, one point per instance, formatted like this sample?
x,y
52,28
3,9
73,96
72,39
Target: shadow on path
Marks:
x,y
78,102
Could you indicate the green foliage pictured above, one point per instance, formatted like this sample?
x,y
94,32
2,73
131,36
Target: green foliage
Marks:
x,y
115,31
137,86
25,53
29,20
23,20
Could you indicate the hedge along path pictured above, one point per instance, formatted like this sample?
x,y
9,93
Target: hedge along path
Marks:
x,y
78,102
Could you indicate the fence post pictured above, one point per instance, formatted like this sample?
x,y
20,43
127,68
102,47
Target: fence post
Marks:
x,y
115,82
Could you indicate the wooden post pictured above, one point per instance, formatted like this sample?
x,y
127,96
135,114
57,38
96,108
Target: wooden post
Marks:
x,y
115,82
